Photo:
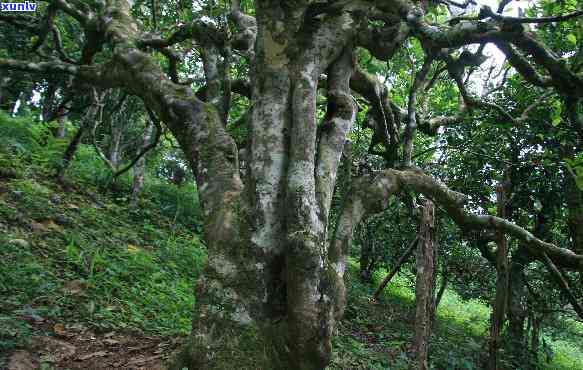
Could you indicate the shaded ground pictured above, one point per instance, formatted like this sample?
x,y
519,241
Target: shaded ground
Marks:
x,y
88,282
57,308
378,335
77,347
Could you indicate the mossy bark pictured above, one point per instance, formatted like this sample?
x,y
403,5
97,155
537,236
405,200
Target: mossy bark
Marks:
x,y
425,286
517,310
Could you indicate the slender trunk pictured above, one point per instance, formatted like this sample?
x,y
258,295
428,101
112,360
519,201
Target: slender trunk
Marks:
x,y
6,98
74,144
535,333
62,128
563,284
499,305
442,288
140,166
49,102
367,255
425,286
115,145
517,305
574,197
17,104
70,153
396,269
3,93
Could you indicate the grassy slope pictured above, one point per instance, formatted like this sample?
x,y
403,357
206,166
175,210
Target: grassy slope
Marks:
x,y
376,335
78,257
75,256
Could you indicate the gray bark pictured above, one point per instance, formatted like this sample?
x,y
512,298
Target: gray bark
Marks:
x,y
140,166
425,286
62,128
49,101
517,311
499,303
115,145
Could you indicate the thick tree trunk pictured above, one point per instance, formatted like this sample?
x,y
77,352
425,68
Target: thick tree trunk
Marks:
x,y
273,286
425,286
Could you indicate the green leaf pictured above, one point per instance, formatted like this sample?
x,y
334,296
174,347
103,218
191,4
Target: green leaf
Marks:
x,y
572,39
556,121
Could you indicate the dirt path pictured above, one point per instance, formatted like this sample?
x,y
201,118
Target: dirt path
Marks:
x,y
60,346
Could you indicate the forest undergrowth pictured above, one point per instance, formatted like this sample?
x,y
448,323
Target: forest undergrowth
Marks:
x,y
89,281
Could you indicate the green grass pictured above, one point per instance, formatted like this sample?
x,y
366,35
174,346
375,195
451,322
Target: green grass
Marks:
x,y
376,335
130,268
83,255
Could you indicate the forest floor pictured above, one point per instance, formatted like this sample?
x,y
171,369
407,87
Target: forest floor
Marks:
x,y
89,282
378,335
81,288
86,280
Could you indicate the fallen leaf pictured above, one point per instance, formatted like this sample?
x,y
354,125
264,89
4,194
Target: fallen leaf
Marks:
x,y
37,227
59,329
111,342
132,248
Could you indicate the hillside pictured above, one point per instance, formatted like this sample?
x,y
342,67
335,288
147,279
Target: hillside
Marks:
x,y
89,282
85,279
